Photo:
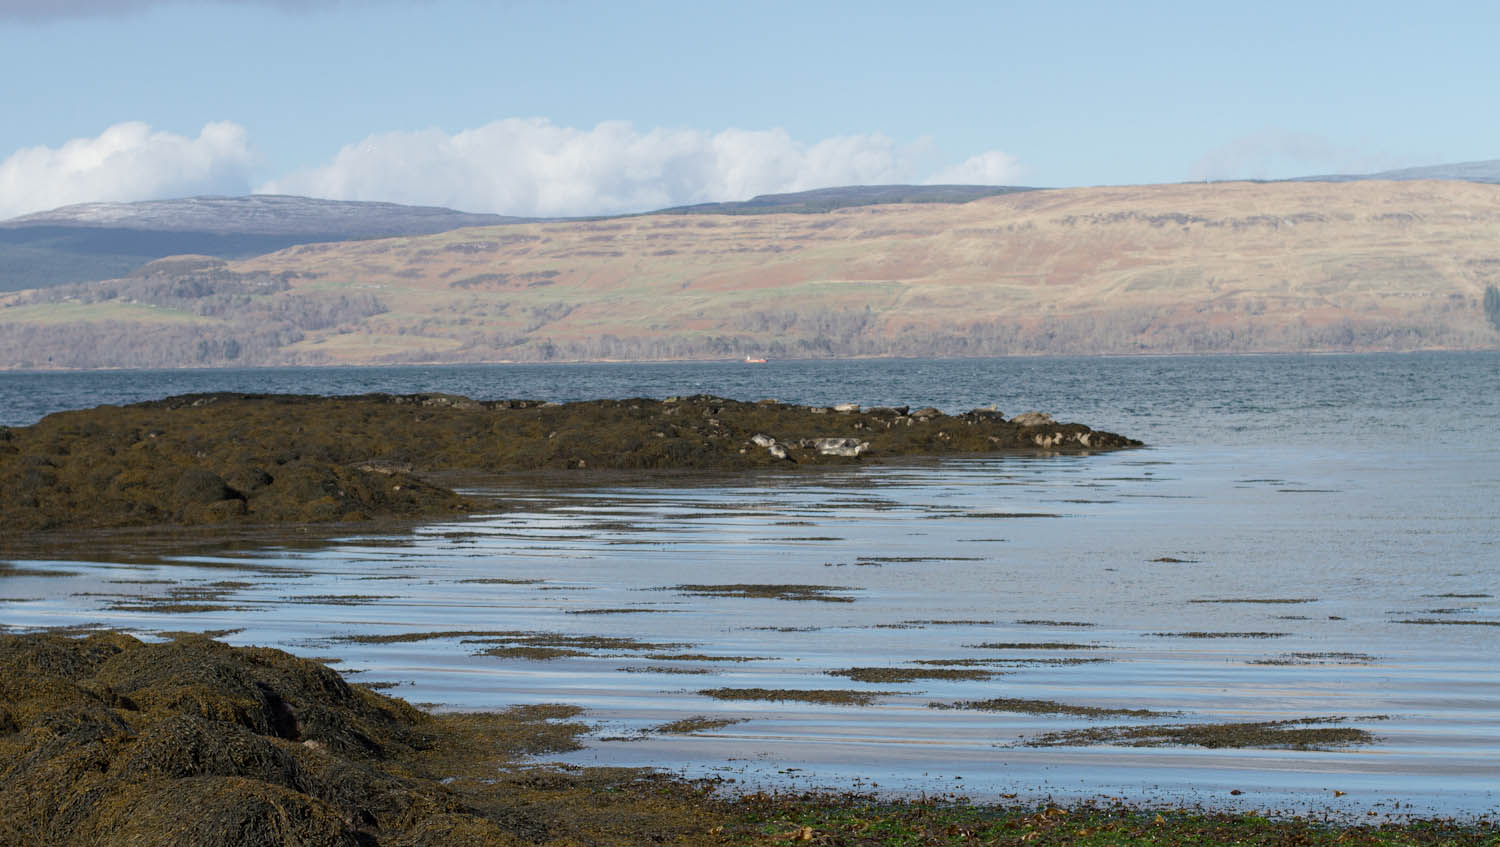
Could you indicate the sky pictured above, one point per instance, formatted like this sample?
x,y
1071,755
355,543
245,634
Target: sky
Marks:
x,y
574,107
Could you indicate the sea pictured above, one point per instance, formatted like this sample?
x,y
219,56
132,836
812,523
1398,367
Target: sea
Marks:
x,y
1303,543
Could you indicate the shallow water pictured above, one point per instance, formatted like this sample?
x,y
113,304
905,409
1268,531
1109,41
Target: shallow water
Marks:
x,y
1365,489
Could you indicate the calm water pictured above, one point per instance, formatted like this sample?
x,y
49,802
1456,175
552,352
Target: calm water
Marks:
x,y
1362,492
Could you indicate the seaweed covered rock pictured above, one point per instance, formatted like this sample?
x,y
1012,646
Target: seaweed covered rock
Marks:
x,y
106,739
278,459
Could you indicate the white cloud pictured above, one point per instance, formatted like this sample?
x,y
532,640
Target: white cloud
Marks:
x,y
992,168
517,166
533,167
126,162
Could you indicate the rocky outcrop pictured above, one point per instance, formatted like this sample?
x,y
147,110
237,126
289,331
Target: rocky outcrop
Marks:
x,y
108,740
278,459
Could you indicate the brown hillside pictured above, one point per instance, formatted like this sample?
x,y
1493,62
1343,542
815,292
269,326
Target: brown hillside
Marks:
x,y
1229,267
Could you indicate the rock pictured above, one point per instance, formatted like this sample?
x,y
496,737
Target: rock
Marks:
x,y
276,459
201,487
448,401
777,450
1032,419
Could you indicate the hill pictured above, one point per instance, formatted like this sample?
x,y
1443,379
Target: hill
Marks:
x,y
1487,171
1227,267
91,241
828,199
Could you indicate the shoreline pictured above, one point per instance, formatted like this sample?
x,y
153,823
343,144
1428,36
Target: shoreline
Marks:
x,y
732,361
211,744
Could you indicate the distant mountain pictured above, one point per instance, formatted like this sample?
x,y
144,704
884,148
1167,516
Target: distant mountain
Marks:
x,y
262,214
1487,171
93,241
828,199
1238,267
90,241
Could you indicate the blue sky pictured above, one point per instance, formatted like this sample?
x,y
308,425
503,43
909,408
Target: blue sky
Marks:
x,y
574,107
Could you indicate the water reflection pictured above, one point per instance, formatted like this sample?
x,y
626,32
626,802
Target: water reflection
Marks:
x,y
1147,588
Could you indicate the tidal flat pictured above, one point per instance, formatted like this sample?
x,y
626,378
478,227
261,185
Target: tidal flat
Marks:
x,y
959,664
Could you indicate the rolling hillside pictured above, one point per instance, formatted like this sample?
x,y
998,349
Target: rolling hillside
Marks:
x,y
91,241
1226,267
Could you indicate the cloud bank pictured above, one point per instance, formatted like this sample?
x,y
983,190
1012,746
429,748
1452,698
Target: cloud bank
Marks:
x,y
992,168
520,166
128,161
533,167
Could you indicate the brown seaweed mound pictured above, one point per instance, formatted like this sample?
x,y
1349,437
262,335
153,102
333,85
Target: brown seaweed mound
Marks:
x,y
276,459
107,739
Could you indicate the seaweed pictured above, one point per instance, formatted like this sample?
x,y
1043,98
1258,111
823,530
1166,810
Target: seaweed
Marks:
x,y
113,740
697,723
908,674
1294,734
1043,707
1035,645
830,696
801,592
1204,634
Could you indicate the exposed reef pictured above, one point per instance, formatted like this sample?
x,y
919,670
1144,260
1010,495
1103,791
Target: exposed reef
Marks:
x,y
213,459
106,739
